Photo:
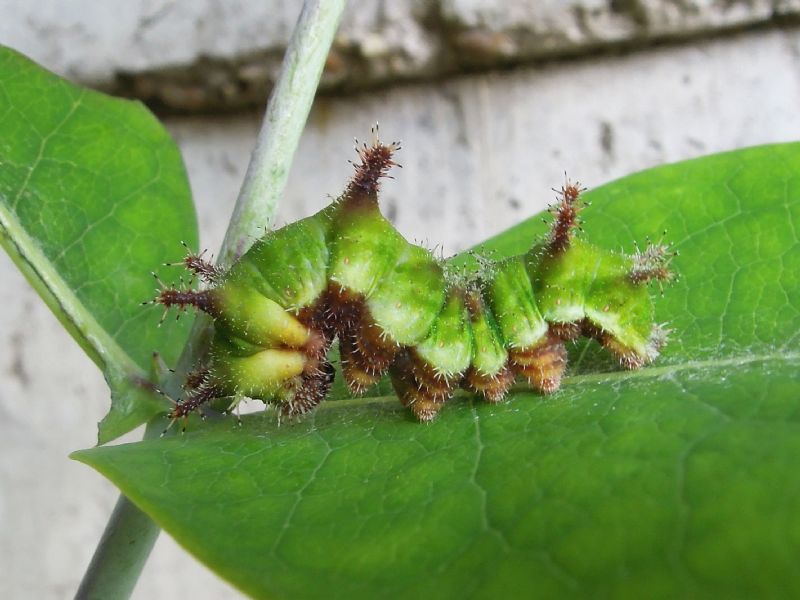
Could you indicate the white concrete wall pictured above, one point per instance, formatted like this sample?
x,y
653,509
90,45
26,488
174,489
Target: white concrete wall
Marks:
x,y
480,153
210,54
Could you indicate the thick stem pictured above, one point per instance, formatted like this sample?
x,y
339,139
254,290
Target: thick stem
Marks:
x,y
283,124
130,534
120,556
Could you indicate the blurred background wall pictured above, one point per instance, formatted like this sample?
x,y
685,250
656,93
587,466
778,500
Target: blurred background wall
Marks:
x,y
493,101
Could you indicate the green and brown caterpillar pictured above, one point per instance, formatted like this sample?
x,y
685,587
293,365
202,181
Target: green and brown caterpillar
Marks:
x,y
346,274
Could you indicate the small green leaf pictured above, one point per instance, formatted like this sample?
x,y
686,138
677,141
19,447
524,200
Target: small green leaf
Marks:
x,y
93,196
678,480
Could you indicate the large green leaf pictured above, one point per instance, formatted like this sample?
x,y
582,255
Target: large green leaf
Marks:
x,y
678,480
93,196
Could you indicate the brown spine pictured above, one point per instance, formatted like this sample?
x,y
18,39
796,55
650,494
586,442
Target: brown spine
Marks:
x,y
374,351
376,160
204,269
198,397
197,378
566,221
199,299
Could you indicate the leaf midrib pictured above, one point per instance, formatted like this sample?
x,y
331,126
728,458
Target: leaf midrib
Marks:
x,y
650,372
57,294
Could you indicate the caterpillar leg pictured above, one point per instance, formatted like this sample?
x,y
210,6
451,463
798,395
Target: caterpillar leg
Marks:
x,y
365,349
493,388
569,332
343,309
356,370
313,390
628,357
542,365
419,386
366,356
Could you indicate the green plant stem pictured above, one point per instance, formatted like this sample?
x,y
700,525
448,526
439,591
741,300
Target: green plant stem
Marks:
x,y
286,115
130,534
120,556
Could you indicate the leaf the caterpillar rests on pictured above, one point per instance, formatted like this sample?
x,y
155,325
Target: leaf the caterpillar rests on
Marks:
x,y
345,273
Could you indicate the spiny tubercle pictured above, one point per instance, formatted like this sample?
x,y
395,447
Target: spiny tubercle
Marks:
x,y
207,271
376,160
566,216
652,264
194,401
197,264
200,299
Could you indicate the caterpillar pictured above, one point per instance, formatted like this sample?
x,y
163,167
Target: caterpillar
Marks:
x,y
346,274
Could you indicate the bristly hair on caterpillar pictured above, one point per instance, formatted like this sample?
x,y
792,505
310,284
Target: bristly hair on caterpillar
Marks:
x,y
206,270
565,213
376,161
345,274
652,263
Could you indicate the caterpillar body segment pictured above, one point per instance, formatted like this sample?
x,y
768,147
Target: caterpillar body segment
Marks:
x,y
346,274
591,290
512,300
410,299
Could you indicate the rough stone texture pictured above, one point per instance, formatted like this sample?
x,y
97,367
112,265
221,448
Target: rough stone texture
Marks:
x,y
211,54
480,153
